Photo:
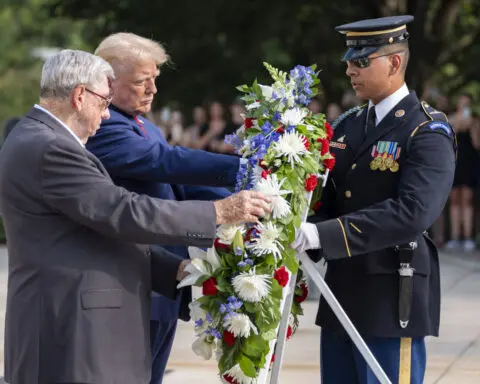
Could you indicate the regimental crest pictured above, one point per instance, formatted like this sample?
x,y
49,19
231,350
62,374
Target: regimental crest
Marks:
x,y
385,155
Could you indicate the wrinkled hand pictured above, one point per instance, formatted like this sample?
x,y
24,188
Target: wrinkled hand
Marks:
x,y
306,238
242,207
181,273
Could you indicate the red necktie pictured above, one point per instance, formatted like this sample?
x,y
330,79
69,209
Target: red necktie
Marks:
x,y
140,124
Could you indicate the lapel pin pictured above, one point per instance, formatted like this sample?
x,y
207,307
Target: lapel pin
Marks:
x,y
400,113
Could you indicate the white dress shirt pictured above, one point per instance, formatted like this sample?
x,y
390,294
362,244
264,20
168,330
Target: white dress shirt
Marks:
x,y
60,122
387,104
308,237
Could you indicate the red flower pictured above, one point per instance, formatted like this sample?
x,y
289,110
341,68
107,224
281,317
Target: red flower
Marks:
x,y
229,338
304,295
306,143
273,358
289,332
209,287
280,130
281,275
230,379
325,147
249,122
220,246
311,183
317,206
329,163
266,173
262,163
329,130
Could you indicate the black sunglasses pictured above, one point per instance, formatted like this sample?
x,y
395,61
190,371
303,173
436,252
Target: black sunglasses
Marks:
x,y
364,62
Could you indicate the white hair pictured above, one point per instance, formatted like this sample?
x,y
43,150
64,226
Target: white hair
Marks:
x,y
67,69
122,47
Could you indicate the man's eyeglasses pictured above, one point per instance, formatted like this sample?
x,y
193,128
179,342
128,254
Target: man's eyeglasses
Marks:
x,y
106,100
364,62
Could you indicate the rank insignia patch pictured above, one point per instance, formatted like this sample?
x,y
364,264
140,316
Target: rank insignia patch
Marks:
x,y
385,155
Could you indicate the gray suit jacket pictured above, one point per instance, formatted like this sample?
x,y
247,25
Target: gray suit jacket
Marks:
x,y
79,287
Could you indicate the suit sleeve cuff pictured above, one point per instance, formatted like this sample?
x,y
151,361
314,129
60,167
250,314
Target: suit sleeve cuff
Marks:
x,y
334,239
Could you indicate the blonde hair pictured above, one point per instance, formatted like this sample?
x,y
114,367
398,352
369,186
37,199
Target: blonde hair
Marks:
x,y
128,47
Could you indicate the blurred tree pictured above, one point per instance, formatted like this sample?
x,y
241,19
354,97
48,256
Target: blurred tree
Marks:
x,y
28,35
217,44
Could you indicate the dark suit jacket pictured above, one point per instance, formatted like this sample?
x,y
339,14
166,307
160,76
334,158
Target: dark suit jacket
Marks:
x,y
371,208
79,287
140,159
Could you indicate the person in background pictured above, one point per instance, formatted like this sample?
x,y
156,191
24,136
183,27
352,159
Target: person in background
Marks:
x,y
466,175
237,111
200,124
315,106
333,112
176,132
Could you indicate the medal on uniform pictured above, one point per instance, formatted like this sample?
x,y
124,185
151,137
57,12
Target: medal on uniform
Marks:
x,y
385,155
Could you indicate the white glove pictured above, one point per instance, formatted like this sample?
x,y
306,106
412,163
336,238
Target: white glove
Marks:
x,y
306,238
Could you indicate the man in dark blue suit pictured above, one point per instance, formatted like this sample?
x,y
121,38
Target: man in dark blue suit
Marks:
x,y
138,157
395,161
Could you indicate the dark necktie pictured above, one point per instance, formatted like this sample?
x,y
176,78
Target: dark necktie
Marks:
x,y
371,119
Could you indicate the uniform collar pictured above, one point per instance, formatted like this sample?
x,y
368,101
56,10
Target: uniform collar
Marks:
x,y
387,104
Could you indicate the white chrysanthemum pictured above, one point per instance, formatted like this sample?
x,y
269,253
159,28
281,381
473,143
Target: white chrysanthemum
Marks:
x,y
251,106
240,325
272,188
267,242
257,174
267,92
226,233
203,347
196,269
291,145
251,287
293,117
237,374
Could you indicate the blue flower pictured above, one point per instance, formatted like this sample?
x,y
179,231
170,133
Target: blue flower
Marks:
x,y
209,317
223,308
199,323
276,116
238,251
241,264
249,262
215,333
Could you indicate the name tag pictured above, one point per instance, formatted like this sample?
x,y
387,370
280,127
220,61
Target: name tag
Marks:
x,y
335,144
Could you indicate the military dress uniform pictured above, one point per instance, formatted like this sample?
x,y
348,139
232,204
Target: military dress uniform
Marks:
x,y
390,183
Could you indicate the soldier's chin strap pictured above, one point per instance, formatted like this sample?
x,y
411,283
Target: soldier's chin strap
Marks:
x,y
405,287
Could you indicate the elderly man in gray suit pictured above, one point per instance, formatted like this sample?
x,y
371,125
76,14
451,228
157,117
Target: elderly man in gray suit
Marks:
x,y
79,287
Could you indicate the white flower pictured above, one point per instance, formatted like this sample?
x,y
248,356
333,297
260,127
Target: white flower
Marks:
x,y
291,145
267,92
251,287
293,117
203,347
271,187
196,269
267,242
198,313
251,106
240,325
226,233
238,376
257,174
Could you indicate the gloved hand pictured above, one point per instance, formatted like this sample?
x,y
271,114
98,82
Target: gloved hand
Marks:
x,y
306,238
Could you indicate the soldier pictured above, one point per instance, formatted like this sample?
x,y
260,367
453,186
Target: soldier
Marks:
x,y
395,161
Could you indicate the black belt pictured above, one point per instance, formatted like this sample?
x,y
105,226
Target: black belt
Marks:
x,y
405,272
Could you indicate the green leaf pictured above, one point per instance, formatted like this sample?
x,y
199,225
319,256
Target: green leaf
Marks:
x,y
270,335
247,366
238,241
276,290
251,307
291,261
255,346
297,221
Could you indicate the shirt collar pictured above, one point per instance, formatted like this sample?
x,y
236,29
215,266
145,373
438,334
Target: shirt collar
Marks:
x,y
59,122
387,104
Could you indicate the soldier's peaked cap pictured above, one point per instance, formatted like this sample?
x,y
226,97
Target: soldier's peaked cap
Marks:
x,y
365,37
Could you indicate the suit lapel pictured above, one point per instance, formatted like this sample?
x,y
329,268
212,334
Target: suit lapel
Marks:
x,y
392,120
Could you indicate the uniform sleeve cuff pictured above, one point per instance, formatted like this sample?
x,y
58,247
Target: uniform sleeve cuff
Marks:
x,y
334,239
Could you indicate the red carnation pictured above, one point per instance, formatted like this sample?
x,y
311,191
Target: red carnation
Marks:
x,y
266,173
249,122
280,130
219,245
329,163
229,338
230,379
262,163
306,143
325,147
311,183
281,275
289,332
273,358
209,287
304,295
329,130
317,206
